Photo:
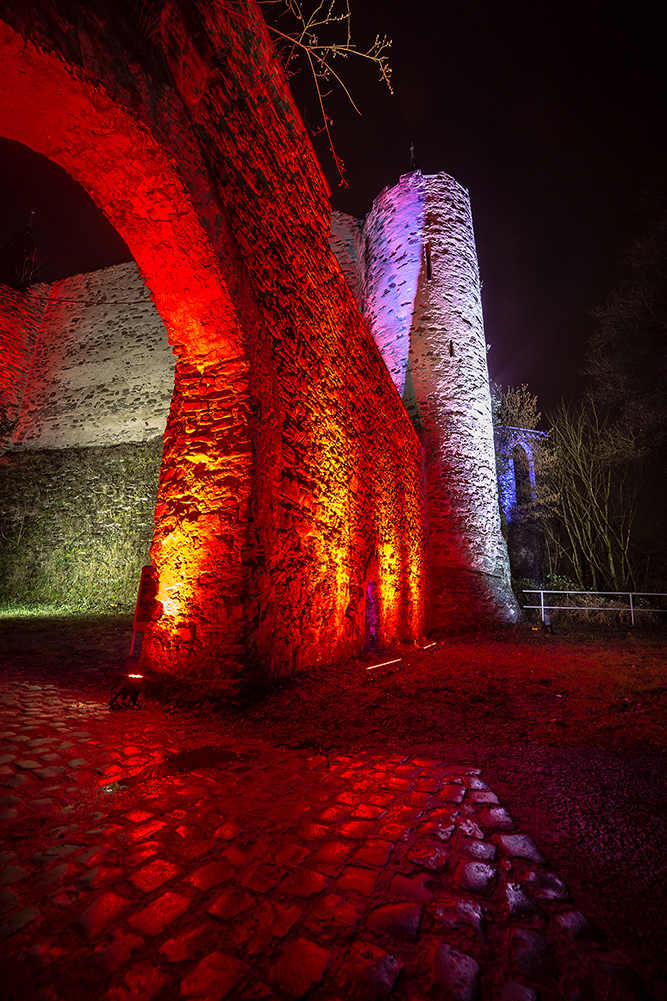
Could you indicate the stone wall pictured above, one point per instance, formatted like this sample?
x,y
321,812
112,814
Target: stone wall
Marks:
x,y
347,244
84,363
21,314
507,439
95,367
76,525
349,507
341,474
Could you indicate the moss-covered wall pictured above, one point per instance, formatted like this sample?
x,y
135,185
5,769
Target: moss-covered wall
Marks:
x,y
76,525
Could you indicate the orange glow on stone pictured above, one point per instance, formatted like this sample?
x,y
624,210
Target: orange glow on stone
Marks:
x,y
291,476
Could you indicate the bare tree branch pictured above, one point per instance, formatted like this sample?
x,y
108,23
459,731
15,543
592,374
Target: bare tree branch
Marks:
x,y
304,39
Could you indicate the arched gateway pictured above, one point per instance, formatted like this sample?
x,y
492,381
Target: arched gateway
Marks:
x,y
290,464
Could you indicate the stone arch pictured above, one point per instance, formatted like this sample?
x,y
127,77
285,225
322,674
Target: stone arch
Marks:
x,y
51,107
523,480
523,530
276,456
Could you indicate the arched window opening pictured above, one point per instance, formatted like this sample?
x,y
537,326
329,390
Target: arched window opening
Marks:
x,y
524,494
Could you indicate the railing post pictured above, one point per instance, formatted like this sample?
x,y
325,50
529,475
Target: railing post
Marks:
x,y
542,604
632,610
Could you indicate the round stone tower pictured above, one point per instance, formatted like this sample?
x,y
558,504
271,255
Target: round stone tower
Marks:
x,y
447,394
420,294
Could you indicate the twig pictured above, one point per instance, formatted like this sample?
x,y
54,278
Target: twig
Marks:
x,y
320,55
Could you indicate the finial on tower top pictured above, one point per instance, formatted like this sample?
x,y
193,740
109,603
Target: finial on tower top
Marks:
x,y
413,162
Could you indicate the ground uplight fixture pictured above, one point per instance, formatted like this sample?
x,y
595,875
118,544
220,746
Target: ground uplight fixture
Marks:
x,y
126,695
384,666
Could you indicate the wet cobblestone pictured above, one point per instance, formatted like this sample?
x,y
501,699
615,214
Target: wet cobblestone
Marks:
x,y
266,873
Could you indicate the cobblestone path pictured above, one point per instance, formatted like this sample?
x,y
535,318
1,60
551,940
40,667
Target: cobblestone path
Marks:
x,y
136,864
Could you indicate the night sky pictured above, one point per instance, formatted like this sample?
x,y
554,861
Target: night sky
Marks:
x,y
551,114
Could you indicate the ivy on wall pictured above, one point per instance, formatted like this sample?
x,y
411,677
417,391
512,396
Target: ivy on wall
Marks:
x,y
76,525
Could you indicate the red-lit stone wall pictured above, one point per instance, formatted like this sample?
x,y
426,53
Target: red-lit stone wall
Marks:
x,y
20,316
291,475
348,506
54,108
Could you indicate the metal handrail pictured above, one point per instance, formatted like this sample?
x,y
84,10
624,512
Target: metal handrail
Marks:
x,y
584,608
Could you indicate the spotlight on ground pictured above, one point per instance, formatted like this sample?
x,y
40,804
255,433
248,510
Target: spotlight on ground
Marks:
x,y
384,668
126,696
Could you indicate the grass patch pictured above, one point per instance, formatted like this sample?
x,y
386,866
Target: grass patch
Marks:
x,y
15,611
41,642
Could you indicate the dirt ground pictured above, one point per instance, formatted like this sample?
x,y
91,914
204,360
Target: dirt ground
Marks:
x,y
602,691
569,729
597,687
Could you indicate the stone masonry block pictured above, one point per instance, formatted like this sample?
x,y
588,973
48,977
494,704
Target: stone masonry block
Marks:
x,y
430,855
548,886
189,944
412,887
368,973
154,874
143,982
496,818
360,880
483,851
374,853
211,875
231,902
114,952
454,971
520,846
518,901
103,911
475,877
304,883
457,912
300,968
396,919
336,916
271,920
532,956
214,978
159,915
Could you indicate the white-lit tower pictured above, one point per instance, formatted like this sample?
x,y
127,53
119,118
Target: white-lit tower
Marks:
x,y
421,297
